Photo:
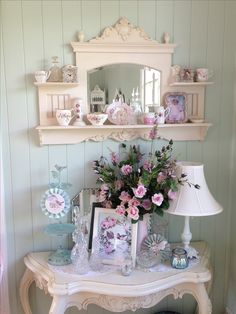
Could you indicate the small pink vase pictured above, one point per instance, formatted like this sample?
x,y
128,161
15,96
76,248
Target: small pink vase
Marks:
x,y
143,227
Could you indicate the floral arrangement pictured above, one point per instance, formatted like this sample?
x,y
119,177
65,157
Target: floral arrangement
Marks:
x,y
133,186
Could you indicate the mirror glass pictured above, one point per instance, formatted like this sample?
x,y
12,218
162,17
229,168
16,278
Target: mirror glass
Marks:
x,y
129,82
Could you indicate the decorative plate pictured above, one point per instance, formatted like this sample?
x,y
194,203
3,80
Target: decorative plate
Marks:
x,y
157,244
55,203
119,113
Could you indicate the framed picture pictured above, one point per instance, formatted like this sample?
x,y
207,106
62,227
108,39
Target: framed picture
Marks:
x,y
117,235
176,102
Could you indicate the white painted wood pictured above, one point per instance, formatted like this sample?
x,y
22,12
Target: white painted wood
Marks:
x,y
77,134
115,292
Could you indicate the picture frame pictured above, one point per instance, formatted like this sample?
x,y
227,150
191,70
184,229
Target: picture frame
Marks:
x,y
117,235
177,104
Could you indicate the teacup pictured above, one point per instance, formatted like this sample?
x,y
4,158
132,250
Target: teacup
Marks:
x,y
150,118
162,113
203,74
42,76
64,116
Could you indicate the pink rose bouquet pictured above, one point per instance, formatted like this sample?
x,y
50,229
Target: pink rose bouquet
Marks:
x,y
136,185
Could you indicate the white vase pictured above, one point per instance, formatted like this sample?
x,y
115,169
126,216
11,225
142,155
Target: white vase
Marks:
x,y
143,229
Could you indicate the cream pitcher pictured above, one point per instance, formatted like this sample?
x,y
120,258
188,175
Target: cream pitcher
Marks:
x,y
161,114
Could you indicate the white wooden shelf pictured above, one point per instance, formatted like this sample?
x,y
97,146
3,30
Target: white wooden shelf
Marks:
x,y
77,134
191,83
60,84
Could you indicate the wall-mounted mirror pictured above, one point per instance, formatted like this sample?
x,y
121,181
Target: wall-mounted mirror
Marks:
x,y
133,82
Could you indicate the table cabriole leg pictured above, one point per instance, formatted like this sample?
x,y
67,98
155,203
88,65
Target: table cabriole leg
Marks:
x,y
25,284
59,305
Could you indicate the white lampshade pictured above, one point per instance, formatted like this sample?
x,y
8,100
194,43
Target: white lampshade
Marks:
x,y
191,201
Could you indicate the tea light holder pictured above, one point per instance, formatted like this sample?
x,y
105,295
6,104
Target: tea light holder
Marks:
x,y
179,258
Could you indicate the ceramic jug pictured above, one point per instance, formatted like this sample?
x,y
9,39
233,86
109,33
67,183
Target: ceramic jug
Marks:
x,y
42,76
162,113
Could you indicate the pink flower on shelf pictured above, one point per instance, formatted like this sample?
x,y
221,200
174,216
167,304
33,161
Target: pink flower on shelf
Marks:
x,y
118,184
126,169
140,191
114,158
120,210
133,212
146,204
124,197
134,202
172,195
157,199
161,177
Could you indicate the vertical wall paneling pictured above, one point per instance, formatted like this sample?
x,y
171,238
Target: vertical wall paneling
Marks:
x,y
164,18
203,32
129,9
109,12
91,17
72,24
146,17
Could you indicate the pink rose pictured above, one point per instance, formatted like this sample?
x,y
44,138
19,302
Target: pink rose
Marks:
x,y
146,204
118,184
140,191
160,177
133,212
124,197
147,166
172,195
120,210
114,158
134,202
157,199
126,169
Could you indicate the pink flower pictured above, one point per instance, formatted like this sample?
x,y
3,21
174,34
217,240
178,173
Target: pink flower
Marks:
x,y
118,184
157,199
126,169
124,197
147,166
111,222
108,248
134,202
104,224
172,195
120,210
104,187
153,133
114,158
140,191
146,204
133,212
160,177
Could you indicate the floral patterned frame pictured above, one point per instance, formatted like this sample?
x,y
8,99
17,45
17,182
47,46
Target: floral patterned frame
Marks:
x,y
117,235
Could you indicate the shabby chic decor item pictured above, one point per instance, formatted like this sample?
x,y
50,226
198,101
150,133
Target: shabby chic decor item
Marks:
x,y
56,72
135,186
117,236
193,202
179,258
176,104
70,74
42,76
64,116
77,105
55,203
97,118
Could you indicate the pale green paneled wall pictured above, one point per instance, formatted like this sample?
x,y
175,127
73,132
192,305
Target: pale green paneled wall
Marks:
x,y
32,32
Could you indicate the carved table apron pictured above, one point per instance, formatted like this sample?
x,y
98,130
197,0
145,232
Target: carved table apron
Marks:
x,y
113,291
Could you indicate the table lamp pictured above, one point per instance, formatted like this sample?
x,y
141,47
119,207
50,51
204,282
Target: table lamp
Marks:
x,y
191,201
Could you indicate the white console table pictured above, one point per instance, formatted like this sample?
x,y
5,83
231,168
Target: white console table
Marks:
x,y
113,291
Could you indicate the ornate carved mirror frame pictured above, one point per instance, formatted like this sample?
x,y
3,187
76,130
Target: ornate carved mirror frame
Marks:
x,y
121,43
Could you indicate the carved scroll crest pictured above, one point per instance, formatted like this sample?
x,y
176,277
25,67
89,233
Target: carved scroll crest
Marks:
x,y
122,31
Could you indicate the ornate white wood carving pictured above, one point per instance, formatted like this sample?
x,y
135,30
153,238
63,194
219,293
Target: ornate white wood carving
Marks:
x,y
122,31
